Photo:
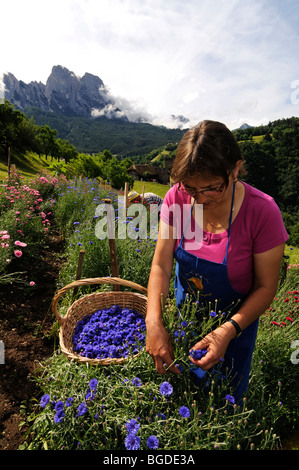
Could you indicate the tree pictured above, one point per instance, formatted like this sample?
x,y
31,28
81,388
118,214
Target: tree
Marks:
x,y
260,166
46,137
85,165
126,163
117,174
15,130
65,150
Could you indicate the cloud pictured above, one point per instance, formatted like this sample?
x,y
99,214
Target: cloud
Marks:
x,y
222,60
2,89
121,108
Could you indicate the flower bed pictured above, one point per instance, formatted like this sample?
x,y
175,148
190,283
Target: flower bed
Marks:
x,y
131,406
25,210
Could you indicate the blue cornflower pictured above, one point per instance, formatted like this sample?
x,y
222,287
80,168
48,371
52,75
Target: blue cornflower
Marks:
x,y
152,442
180,367
230,399
132,426
59,416
166,388
179,333
44,400
89,395
137,382
198,353
59,405
93,384
103,334
184,411
69,401
213,314
132,442
82,409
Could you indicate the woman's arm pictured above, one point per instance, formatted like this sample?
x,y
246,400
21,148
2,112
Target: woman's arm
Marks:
x,y
266,277
158,343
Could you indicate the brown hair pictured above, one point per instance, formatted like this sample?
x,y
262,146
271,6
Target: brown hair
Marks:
x,y
207,148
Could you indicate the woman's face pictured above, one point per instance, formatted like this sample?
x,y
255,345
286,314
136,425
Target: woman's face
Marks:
x,y
207,190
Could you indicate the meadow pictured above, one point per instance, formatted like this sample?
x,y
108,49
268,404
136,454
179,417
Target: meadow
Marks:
x,y
129,406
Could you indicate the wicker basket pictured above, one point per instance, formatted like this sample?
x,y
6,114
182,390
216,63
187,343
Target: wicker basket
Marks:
x,y
89,304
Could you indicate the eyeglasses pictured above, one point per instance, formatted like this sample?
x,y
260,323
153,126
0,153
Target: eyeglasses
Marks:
x,y
211,191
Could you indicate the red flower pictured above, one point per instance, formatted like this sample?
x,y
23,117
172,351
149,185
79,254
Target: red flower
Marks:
x,y
275,323
289,318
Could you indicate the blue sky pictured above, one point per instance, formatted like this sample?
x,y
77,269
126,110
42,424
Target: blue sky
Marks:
x,y
232,61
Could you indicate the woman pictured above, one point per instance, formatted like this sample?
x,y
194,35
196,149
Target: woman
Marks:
x,y
237,263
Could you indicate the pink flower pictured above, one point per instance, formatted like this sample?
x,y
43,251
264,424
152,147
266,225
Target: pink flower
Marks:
x,y
18,243
5,237
3,232
18,253
32,283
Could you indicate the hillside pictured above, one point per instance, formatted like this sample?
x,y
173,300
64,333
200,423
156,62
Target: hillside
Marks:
x,y
28,164
120,136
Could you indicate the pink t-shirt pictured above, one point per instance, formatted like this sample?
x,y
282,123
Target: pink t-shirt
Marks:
x,y
257,228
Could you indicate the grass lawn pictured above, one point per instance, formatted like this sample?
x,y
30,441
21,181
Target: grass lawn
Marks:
x,y
28,165
292,253
149,187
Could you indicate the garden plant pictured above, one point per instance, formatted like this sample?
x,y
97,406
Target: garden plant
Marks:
x,y
129,406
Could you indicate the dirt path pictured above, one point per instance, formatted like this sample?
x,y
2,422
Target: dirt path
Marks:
x,y
25,319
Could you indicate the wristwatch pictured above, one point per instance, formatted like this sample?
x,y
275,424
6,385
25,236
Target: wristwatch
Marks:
x,y
237,327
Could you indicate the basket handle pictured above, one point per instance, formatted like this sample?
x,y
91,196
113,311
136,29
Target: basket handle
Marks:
x,y
88,281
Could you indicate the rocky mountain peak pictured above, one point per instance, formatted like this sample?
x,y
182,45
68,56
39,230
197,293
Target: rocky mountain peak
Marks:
x,y
64,92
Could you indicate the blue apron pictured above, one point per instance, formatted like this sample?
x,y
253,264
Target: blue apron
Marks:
x,y
208,282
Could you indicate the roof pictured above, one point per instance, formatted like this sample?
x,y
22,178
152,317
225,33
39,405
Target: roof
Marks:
x,y
141,169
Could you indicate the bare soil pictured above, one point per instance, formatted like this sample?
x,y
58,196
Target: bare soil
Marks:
x,y
26,321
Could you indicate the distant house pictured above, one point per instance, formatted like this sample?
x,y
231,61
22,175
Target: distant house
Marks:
x,y
143,172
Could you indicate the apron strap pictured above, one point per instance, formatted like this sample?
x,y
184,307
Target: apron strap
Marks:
x,y
230,223
183,236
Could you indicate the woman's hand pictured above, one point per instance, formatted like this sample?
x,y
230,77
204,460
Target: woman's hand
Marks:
x,y
159,347
216,344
